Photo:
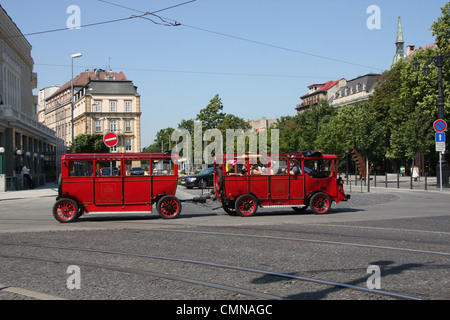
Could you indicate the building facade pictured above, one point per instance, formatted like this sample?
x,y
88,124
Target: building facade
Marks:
x,y
317,92
261,124
103,102
355,90
23,139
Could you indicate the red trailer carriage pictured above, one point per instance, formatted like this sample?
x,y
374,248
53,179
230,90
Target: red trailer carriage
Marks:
x,y
110,183
300,179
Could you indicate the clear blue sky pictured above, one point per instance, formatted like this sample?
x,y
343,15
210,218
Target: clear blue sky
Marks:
x,y
258,55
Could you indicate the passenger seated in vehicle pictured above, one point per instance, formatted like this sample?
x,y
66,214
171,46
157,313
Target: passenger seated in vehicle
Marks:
x,y
294,167
230,167
255,170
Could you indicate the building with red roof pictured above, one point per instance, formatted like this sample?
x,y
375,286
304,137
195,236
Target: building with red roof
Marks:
x,y
317,92
103,102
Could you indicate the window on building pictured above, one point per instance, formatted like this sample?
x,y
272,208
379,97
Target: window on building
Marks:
x,y
127,106
128,144
98,106
112,106
98,126
127,125
113,125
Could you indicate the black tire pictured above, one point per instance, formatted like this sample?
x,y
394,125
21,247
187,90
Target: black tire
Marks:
x,y
60,186
65,210
320,203
230,209
246,205
202,184
169,207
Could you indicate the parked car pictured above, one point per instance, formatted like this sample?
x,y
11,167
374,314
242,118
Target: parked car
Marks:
x,y
107,171
137,171
201,180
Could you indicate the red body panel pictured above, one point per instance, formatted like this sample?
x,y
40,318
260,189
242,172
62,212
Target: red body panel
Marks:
x,y
120,192
276,188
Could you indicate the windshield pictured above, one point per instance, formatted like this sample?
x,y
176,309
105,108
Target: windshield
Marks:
x,y
319,168
206,171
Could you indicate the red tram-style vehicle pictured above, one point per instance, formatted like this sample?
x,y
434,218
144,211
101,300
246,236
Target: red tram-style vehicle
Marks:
x,y
299,180
117,183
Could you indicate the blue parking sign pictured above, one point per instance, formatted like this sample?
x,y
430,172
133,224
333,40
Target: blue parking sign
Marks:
x,y
440,136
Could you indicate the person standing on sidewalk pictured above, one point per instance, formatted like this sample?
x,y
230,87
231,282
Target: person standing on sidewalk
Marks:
x,y
26,173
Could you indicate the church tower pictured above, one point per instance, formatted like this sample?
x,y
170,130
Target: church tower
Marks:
x,y
400,44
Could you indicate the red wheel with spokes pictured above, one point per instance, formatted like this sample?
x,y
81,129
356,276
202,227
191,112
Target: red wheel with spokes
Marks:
x,y
218,181
246,205
169,207
65,210
320,203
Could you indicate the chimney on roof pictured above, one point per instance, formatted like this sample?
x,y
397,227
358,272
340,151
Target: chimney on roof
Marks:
x,y
410,50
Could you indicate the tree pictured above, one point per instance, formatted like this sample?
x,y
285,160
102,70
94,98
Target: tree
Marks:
x,y
301,131
89,143
441,29
162,141
211,116
353,127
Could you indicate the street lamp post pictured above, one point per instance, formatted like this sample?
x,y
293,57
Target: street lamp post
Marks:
x,y
76,55
439,63
2,150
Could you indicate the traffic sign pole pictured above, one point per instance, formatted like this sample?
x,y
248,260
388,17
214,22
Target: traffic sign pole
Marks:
x,y
440,171
440,126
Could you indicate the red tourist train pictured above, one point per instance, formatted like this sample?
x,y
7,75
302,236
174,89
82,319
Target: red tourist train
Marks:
x,y
299,180
117,183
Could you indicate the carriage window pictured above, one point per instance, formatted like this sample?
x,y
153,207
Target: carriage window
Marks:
x,y
319,168
80,168
162,167
277,167
107,168
137,168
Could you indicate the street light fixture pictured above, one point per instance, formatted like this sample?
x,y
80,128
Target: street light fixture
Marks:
x,y
439,63
76,55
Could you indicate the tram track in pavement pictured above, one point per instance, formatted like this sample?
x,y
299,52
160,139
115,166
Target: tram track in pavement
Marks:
x,y
166,276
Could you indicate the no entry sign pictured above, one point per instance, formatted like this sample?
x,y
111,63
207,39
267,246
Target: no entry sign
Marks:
x,y
110,139
440,125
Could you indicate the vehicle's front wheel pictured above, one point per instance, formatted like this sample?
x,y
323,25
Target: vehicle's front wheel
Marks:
x,y
320,203
65,210
246,205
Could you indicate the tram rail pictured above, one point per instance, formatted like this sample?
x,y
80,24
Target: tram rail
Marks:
x,y
166,276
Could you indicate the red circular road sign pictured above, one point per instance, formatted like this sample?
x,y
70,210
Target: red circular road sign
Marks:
x,y
110,139
440,125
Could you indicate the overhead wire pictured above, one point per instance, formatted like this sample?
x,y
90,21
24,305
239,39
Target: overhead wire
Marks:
x,y
144,14
194,72
176,23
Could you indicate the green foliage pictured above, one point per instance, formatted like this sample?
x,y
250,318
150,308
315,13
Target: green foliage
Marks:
x,y
301,131
89,143
353,127
161,143
441,29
